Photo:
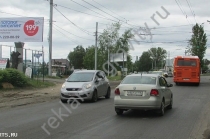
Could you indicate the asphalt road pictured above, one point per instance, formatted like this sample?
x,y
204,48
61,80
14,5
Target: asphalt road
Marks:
x,y
189,119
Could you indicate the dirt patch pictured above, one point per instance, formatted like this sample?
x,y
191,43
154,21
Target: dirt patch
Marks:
x,y
18,97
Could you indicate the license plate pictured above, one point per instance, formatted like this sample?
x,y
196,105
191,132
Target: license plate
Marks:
x,y
72,94
185,79
134,93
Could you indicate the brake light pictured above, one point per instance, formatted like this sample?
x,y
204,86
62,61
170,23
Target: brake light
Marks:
x,y
117,91
154,92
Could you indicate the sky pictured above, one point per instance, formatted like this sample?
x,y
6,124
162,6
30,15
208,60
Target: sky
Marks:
x,y
74,23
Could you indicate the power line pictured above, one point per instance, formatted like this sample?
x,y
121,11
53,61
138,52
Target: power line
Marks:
x,y
101,10
191,11
182,11
72,33
19,15
66,35
86,13
87,32
159,42
86,7
109,10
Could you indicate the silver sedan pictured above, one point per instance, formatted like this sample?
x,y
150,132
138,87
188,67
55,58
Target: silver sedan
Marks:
x,y
146,92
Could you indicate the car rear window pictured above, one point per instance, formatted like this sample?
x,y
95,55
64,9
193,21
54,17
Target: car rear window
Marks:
x,y
139,80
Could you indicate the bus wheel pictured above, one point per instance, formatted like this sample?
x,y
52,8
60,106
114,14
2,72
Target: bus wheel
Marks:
x,y
177,84
197,84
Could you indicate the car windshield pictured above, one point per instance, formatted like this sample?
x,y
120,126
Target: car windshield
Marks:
x,y
139,80
81,77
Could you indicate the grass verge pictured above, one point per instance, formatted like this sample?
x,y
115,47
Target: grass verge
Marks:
x,y
205,74
114,78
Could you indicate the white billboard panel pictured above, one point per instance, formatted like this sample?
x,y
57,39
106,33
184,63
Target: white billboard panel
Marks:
x,y
118,57
0,51
21,29
3,63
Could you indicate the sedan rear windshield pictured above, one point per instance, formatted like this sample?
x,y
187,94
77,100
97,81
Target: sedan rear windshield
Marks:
x,y
139,80
81,77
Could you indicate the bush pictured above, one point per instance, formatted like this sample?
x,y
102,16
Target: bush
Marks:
x,y
4,76
16,78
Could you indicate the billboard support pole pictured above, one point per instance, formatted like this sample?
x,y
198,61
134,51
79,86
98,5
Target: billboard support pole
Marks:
x,y
50,39
43,62
25,58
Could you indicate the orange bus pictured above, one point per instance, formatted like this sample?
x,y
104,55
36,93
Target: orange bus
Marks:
x,y
186,69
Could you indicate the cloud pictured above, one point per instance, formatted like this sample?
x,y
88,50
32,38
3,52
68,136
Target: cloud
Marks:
x,y
175,29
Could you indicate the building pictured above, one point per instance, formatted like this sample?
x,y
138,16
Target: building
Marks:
x,y
60,66
169,64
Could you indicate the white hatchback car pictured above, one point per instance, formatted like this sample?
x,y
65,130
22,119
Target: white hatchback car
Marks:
x,y
146,92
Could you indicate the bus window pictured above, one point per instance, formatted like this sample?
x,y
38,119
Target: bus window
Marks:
x,y
186,63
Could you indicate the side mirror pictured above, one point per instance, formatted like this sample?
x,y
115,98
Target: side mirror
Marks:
x,y
99,79
170,85
96,80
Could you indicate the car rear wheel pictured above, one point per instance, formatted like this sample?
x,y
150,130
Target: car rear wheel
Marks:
x,y
119,111
107,96
63,100
161,111
95,96
171,104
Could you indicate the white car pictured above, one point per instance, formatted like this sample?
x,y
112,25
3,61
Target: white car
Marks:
x,y
145,92
87,85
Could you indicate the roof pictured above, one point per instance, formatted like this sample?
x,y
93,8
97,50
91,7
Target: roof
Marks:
x,y
62,62
196,57
78,71
148,75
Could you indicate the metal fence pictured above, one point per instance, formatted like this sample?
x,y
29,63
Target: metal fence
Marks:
x,y
31,58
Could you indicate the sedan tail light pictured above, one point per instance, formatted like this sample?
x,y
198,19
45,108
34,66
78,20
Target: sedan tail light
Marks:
x,y
117,91
154,92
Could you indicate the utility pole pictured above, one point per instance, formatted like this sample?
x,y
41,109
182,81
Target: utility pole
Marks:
x,y
96,46
32,64
50,39
108,61
43,63
123,64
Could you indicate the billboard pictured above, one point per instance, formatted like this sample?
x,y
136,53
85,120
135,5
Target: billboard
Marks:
x,y
38,55
21,29
118,57
3,63
0,51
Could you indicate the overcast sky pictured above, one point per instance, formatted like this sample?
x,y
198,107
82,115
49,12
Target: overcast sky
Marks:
x,y
74,23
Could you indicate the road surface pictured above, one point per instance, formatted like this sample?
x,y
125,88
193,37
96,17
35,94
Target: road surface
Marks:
x,y
189,119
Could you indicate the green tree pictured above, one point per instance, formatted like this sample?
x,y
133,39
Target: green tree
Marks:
x,y
145,62
76,57
198,43
111,41
158,55
89,58
14,56
107,40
